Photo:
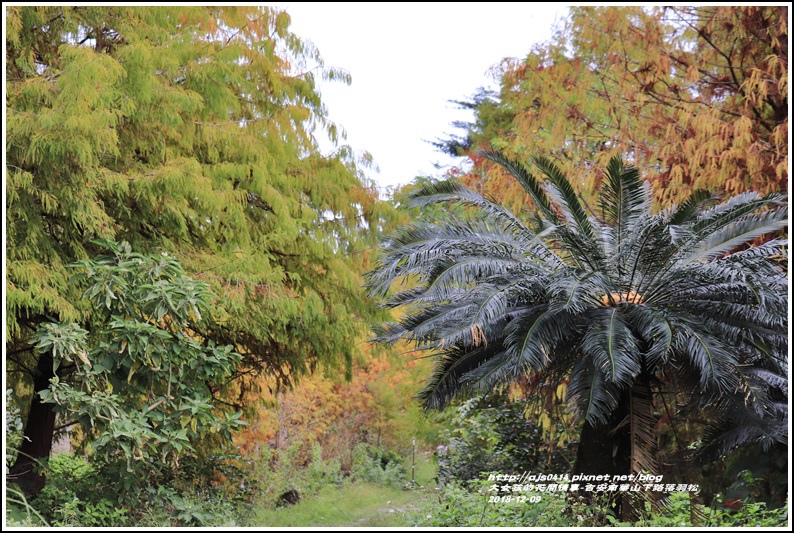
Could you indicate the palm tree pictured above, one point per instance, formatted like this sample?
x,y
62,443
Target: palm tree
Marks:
x,y
617,303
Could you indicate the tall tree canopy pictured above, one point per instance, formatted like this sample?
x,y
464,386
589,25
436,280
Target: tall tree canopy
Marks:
x,y
190,130
697,96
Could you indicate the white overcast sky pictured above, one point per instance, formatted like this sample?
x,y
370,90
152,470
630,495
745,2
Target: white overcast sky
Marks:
x,y
406,61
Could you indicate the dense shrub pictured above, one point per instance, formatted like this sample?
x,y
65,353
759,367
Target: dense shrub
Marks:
x,y
18,511
72,495
493,434
278,471
469,505
378,466
78,494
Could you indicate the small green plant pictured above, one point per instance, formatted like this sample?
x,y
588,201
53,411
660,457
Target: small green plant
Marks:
x,y
13,428
71,495
19,512
378,466
290,468
200,508
471,504
79,513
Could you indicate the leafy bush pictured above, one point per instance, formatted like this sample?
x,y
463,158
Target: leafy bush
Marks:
x,y
678,511
469,505
71,495
378,466
13,428
141,388
751,515
166,506
493,434
282,470
77,494
143,376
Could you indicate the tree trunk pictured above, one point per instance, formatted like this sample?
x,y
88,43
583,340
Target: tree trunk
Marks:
x,y
39,431
605,448
622,446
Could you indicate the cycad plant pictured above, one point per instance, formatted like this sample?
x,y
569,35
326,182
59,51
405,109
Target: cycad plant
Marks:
x,y
617,301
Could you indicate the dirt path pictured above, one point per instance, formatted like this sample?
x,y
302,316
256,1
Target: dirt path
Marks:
x,y
397,514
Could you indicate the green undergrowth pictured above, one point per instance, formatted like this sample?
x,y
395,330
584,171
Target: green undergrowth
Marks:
x,y
473,506
366,500
358,504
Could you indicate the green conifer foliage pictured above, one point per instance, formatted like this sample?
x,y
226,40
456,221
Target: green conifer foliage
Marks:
x,y
190,130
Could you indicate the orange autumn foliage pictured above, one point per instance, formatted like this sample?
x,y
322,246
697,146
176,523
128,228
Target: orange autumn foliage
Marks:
x,y
375,407
697,96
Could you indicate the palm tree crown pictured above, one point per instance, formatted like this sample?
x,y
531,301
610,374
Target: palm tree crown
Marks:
x,y
600,299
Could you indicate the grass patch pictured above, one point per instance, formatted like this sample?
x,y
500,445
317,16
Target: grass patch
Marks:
x,y
425,471
358,504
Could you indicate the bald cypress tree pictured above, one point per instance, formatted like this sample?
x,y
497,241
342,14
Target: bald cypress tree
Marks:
x,y
193,131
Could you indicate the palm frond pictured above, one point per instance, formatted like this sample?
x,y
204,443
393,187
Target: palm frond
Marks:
x,y
527,181
530,339
430,324
592,396
736,234
707,357
462,272
690,207
576,291
770,379
654,333
498,370
611,346
646,250
624,196
749,416
566,196
722,439
451,364
728,216
420,248
584,253
733,209
452,191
